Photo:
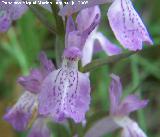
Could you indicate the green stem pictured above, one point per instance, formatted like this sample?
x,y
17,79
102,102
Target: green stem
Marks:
x,y
100,62
58,19
59,47
14,49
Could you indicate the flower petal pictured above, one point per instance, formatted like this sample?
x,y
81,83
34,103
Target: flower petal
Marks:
x,y
46,64
40,129
83,25
21,113
127,25
78,38
115,93
80,100
136,132
87,51
31,82
101,127
86,17
70,26
107,46
65,94
5,21
130,104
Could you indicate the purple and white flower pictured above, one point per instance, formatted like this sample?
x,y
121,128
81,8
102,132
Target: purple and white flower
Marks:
x,y
93,41
119,110
20,115
65,93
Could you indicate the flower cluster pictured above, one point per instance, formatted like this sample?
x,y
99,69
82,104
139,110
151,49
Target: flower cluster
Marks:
x,y
124,21
65,92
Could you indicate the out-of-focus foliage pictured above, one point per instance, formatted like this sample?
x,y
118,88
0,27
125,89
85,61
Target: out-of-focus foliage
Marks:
x,y
140,73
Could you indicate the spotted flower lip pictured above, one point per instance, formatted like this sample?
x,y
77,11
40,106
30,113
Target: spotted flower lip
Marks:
x,y
65,93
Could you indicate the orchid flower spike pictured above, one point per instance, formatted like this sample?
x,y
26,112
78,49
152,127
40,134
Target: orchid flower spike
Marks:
x,y
124,21
21,114
10,12
40,128
119,110
65,93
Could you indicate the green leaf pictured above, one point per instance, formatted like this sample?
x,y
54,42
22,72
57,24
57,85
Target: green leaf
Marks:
x,y
14,49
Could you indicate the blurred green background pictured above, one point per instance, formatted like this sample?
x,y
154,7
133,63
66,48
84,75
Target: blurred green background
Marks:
x,y
140,73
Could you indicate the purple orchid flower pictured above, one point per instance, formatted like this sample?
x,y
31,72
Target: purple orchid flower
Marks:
x,y
119,110
124,21
78,36
9,13
89,44
40,128
20,115
65,93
